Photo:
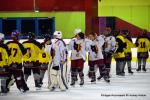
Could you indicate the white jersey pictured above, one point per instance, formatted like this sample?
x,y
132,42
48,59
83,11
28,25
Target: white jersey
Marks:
x,y
101,41
110,44
78,49
95,49
59,51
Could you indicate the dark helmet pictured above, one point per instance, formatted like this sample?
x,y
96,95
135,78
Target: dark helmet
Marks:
x,y
144,32
107,31
15,34
116,32
47,37
125,32
31,36
81,35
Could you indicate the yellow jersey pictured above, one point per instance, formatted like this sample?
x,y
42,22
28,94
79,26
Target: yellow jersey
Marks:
x,y
34,48
120,44
129,45
44,57
142,44
4,55
17,51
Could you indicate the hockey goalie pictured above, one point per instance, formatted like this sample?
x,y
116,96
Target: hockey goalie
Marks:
x,y
56,67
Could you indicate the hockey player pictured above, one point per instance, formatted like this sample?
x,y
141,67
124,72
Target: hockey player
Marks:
x,y
78,56
108,49
95,56
44,57
59,57
4,65
31,61
17,52
119,54
142,44
76,31
127,50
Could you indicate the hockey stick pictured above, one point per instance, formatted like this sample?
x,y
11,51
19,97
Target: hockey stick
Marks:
x,y
66,73
62,76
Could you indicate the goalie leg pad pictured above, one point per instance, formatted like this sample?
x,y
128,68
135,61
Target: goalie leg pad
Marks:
x,y
53,78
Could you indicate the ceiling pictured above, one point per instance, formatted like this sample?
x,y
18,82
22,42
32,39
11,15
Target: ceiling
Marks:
x,y
42,5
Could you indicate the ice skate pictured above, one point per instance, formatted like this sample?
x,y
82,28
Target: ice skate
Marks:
x,y
52,89
144,69
139,69
38,87
81,82
72,83
3,94
93,81
130,72
100,77
106,79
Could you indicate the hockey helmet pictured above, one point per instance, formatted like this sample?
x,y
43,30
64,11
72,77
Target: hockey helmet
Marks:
x,y
47,37
58,34
31,36
81,35
76,31
15,34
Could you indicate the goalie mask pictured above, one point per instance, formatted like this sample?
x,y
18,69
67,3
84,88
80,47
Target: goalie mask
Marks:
x,y
58,34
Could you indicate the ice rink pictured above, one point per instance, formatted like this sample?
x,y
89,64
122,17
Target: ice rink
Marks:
x,y
129,87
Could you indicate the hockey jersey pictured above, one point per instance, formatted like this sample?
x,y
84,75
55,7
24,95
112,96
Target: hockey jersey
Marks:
x,y
4,55
110,44
17,51
44,57
78,49
120,45
57,51
34,48
142,44
129,45
95,50
101,41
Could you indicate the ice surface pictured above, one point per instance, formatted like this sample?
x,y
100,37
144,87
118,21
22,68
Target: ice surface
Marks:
x,y
130,87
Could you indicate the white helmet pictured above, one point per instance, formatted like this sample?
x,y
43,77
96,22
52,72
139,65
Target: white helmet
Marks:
x,y
58,34
76,31
1,36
